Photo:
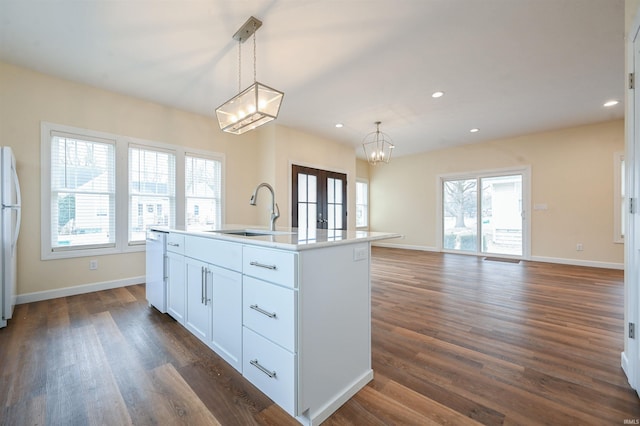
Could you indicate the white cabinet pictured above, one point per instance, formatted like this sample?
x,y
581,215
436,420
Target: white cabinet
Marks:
x,y
214,295
295,323
271,265
271,369
269,311
226,326
176,291
198,317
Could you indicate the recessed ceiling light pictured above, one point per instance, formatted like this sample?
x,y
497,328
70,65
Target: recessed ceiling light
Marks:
x,y
611,103
474,130
339,125
437,94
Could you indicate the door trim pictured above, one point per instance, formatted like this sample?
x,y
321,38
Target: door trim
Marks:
x,y
629,358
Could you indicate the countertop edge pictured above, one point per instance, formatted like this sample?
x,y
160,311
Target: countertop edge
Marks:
x,y
279,241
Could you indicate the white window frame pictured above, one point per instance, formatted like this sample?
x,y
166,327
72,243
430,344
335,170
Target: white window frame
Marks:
x,y
206,156
366,182
172,198
122,188
618,197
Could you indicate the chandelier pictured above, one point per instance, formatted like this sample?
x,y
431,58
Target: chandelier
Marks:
x,y
257,104
377,146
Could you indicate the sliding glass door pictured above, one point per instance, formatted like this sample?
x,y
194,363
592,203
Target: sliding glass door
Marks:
x,y
483,214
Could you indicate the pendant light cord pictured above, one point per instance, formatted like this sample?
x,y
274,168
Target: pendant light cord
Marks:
x,y
239,65
254,52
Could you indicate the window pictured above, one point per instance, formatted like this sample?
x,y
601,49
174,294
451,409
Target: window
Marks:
x,y
82,192
152,177
101,192
362,204
203,186
619,197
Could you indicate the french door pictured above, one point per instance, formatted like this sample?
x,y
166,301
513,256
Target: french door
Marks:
x,y
319,199
484,214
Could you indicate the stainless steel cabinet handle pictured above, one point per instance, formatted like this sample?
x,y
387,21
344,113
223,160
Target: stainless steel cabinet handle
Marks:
x,y
262,265
165,267
173,244
262,311
256,364
206,286
202,283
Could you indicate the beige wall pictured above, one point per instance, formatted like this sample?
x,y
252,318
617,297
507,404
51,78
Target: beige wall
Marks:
x,y
362,169
27,98
630,9
572,171
289,146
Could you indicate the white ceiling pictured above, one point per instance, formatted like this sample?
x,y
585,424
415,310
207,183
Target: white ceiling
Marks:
x,y
507,67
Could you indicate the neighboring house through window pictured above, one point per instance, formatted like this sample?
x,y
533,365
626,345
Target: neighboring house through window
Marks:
x,y
203,185
102,192
82,200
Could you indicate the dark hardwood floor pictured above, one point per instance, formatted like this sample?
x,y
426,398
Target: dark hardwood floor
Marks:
x,y
456,340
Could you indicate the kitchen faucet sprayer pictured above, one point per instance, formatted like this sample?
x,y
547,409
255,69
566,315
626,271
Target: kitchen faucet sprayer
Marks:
x,y
275,210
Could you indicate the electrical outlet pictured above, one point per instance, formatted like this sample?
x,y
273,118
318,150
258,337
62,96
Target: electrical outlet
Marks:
x,y
93,265
360,253
579,247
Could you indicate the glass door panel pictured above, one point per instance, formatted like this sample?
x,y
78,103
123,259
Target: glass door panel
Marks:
x,y
319,199
460,206
498,221
334,203
501,224
307,200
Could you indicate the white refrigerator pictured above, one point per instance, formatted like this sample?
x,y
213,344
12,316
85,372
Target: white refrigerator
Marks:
x,y
9,229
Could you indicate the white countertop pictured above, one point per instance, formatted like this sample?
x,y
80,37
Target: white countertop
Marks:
x,y
289,238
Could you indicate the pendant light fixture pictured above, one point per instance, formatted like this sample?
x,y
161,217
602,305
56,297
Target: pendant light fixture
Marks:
x,y
377,146
257,104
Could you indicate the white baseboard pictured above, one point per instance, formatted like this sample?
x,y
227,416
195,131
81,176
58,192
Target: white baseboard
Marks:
x,y
624,363
79,289
560,260
405,246
577,262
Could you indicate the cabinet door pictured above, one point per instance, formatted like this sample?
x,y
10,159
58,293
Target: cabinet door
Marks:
x,y
198,313
176,291
226,334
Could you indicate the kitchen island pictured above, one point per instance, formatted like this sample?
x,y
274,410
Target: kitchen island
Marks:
x,y
289,310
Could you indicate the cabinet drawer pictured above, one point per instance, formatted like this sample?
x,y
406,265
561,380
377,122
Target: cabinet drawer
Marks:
x,y
216,252
270,310
276,266
175,243
270,368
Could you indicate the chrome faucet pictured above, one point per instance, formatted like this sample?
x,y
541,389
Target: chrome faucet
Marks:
x,y
275,211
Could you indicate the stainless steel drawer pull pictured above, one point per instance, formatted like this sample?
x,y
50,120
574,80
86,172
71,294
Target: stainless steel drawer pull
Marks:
x,y
174,244
203,283
262,311
262,265
256,364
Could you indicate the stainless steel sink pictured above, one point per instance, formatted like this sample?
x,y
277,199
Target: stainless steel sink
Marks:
x,y
251,232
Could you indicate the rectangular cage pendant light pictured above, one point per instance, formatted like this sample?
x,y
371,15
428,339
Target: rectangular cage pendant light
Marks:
x,y
257,104
254,106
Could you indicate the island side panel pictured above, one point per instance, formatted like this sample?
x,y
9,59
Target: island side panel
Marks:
x,y
334,332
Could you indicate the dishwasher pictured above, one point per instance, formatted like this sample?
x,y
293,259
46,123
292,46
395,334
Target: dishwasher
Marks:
x,y
156,275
